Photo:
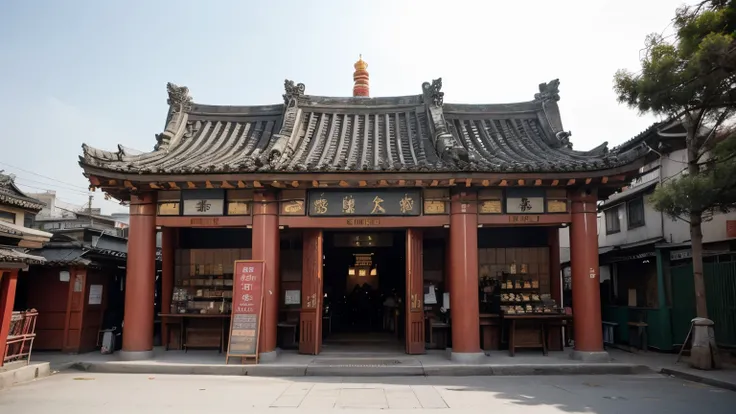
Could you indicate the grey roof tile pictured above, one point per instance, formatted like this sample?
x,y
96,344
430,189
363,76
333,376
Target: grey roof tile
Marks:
x,y
326,134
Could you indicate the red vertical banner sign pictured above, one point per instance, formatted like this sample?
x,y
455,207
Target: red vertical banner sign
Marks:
x,y
247,309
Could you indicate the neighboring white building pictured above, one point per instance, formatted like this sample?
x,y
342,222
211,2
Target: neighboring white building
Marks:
x,y
639,245
59,216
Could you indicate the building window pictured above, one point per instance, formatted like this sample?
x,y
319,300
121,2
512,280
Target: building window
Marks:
x,y
28,221
7,217
635,213
613,223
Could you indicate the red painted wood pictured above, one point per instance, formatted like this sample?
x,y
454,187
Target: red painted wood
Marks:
x,y
310,332
586,299
463,282
414,292
168,242
7,298
266,247
140,274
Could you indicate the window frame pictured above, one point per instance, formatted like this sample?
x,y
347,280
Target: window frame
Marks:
x,y
629,222
8,217
615,212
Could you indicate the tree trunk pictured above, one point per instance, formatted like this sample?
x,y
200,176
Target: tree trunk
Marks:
x,y
696,232
696,239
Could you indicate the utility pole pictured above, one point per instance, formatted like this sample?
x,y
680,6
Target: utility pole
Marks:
x,y
89,208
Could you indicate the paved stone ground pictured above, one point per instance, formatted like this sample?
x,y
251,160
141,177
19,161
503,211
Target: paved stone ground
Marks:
x,y
83,393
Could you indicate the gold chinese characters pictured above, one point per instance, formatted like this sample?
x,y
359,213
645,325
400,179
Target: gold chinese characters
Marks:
x,y
406,204
348,205
377,207
320,205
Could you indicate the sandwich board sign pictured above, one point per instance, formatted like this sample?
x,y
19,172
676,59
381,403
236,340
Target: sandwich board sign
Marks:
x,y
247,309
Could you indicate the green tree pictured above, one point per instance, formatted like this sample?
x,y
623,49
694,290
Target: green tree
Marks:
x,y
691,76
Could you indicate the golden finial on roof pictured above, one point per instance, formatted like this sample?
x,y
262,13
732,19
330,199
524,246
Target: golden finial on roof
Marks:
x,y
360,77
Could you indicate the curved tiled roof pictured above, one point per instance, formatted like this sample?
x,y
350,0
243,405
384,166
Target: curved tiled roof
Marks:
x,y
323,134
12,195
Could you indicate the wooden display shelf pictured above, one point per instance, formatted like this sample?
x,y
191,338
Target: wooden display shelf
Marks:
x,y
530,330
196,330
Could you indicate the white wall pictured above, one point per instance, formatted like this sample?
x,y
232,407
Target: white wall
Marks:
x,y
652,227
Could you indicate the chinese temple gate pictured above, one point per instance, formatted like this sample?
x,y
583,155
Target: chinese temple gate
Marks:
x,y
269,182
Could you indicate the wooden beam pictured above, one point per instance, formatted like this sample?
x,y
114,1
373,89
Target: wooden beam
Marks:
x,y
503,183
521,182
418,183
295,184
112,183
621,177
383,183
315,183
362,183
555,182
226,184
344,183
277,184
571,181
537,182
486,183
434,183
257,184
402,183
154,186
94,180
128,184
468,182
452,182
604,180
242,184
208,184
191,185
173,186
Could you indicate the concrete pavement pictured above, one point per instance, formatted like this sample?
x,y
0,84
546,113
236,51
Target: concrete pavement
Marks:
x,y
86,393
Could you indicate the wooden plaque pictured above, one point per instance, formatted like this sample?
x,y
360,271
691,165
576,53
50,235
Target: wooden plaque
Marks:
x,y
247,308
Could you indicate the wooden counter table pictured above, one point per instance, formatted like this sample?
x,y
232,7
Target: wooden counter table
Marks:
x,y
490,329
530,330
196,330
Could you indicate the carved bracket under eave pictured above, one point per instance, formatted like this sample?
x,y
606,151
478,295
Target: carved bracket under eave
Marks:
x,y
443,140
180,103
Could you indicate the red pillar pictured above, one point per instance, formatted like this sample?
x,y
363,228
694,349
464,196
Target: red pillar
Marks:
x,y
555,285
140,278
586,302
266,246
168,246
463,281
7,298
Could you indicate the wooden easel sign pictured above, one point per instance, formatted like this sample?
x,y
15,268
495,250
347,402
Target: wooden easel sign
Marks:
x,y
245,319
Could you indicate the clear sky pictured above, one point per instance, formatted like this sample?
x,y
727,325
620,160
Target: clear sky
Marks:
x,y
94,71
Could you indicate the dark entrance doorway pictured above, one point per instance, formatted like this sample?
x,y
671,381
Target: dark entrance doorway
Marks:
x,y
364,291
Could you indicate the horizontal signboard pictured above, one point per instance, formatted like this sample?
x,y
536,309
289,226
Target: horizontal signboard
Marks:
x,y
365,203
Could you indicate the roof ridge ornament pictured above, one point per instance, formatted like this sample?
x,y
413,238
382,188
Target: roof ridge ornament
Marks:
x,y
549,91
292,91
178,97
180,103
433,92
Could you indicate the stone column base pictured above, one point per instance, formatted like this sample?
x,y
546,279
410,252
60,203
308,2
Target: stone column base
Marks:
x,y
599,356
269,356
135,355
468,357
